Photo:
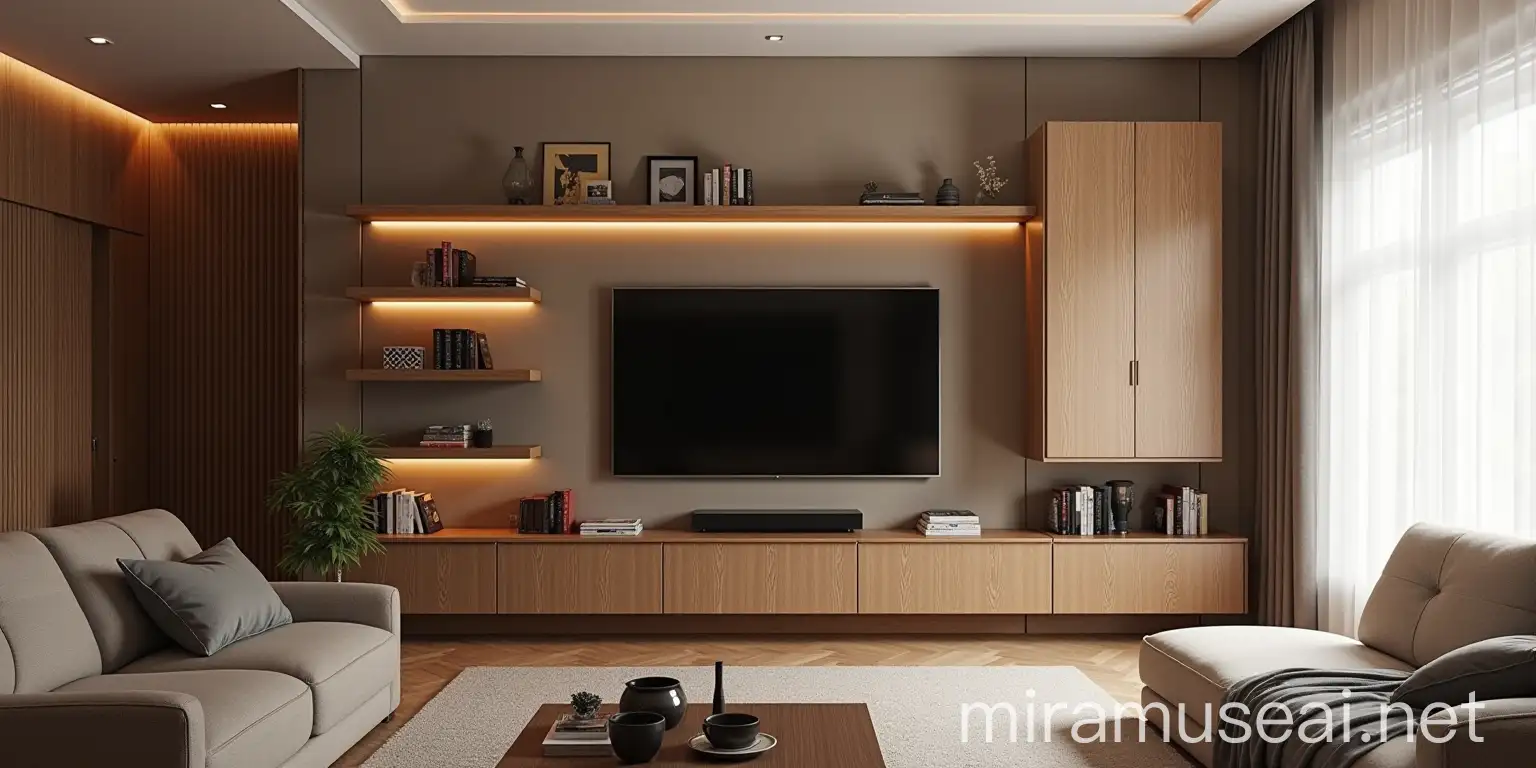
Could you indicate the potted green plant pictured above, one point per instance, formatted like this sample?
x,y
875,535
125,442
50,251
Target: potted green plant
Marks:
x,y
327,497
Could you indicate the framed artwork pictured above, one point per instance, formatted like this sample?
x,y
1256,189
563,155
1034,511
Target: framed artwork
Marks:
x,y
567,168
599,191
672,180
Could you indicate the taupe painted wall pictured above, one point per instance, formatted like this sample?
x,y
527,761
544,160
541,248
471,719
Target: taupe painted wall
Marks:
x,y
440,130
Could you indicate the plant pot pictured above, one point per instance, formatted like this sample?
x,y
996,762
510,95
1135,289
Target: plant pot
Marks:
x,y
662,695
482,438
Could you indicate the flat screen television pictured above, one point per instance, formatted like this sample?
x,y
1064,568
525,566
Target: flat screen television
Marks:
x,y
775,382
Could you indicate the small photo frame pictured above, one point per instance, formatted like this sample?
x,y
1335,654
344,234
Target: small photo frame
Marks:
x,y
568,165
673,180
598,192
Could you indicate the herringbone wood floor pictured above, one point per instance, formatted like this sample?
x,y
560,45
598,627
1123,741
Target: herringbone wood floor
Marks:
x,y
428,665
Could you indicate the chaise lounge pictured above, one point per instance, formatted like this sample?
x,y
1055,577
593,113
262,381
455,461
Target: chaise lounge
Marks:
x,y
1442,589
86,678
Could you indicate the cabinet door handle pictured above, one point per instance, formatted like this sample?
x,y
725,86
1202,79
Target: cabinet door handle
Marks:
x,y
1135,373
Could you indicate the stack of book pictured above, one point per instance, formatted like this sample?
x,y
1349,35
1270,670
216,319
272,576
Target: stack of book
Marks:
x,y
1182,511
570,737
728,186
497,281
546,513
451,267
460,349
453,436
1080,510
891,198
405,511
611,527
949,522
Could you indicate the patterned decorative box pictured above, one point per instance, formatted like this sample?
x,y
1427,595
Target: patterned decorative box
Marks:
x,y
405,357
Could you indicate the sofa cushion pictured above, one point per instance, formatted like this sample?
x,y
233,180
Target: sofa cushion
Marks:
x,y
1443,589
344,664
1500,668
252,719
88,554
209,600
1193,667
45,640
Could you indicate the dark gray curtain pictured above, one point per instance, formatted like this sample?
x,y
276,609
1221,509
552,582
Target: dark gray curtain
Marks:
x,y
1287,253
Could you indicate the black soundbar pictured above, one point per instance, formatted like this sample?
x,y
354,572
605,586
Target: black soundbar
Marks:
x,y
777,520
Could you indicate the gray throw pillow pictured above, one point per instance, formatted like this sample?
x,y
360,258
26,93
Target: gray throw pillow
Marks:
x,y
1501,668
207,601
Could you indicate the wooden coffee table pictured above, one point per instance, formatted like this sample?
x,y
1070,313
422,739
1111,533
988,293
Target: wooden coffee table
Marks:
x,y
810,736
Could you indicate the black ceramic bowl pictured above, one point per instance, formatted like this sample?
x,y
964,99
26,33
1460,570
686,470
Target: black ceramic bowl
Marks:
x,y
636,736
731,730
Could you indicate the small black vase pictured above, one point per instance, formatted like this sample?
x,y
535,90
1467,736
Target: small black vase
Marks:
x,y
636,736
948,193
662,695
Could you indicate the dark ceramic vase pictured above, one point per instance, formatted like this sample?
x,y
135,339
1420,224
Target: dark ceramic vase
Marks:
x,y
948,193
636,736
1122,497
662,695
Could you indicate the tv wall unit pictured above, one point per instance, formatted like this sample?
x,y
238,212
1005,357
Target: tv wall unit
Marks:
x,y
484,571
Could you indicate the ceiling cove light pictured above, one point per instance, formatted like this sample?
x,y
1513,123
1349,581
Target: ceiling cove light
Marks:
x,y
99,40
773,38
217,105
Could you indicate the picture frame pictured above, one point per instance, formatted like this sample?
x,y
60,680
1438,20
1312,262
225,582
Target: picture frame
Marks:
x,y
587,159
598,191
673,180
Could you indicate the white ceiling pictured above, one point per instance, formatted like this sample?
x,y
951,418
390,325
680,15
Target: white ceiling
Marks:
x,y
171,58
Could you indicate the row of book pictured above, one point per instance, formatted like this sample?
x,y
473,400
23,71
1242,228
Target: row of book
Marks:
x,y
460,349
546,513
1182,511
1081,510
449,436
611,527
451,267
405,511
949,522
728,186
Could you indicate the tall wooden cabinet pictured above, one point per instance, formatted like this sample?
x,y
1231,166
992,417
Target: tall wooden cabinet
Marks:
x,y
1124,292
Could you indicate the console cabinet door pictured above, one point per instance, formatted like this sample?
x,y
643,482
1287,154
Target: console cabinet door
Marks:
x,y
955,578
1178,290
760,578
435,578
580,577
1169,577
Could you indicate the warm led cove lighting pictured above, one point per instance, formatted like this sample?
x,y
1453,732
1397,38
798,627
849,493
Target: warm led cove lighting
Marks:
x,y
449,461
99,41
742,226
440,306
774,38
217,105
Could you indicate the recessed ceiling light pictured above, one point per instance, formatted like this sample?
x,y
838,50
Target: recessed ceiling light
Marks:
x,y
773,38
217,105
99,41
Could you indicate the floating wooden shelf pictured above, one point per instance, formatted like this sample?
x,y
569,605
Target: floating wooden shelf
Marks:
x,y
657,535
494,452
852,214
365,295
432,374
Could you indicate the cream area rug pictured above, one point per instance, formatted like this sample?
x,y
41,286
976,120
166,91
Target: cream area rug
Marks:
x,y
917,713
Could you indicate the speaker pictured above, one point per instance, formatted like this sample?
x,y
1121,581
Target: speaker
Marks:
x,y
777,520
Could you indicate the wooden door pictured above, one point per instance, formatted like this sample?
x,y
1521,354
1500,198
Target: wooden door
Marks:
x,y
580,577
961,577
1150,576
1178,290
1089,291
760,578
435,578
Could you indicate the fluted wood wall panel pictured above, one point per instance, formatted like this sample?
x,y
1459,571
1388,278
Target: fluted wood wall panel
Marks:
x,y
224,327
68,152
45,369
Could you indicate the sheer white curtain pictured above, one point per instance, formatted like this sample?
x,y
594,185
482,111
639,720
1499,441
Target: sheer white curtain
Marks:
x,y
1426,390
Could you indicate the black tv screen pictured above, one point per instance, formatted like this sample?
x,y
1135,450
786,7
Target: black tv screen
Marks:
x,y
776,382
